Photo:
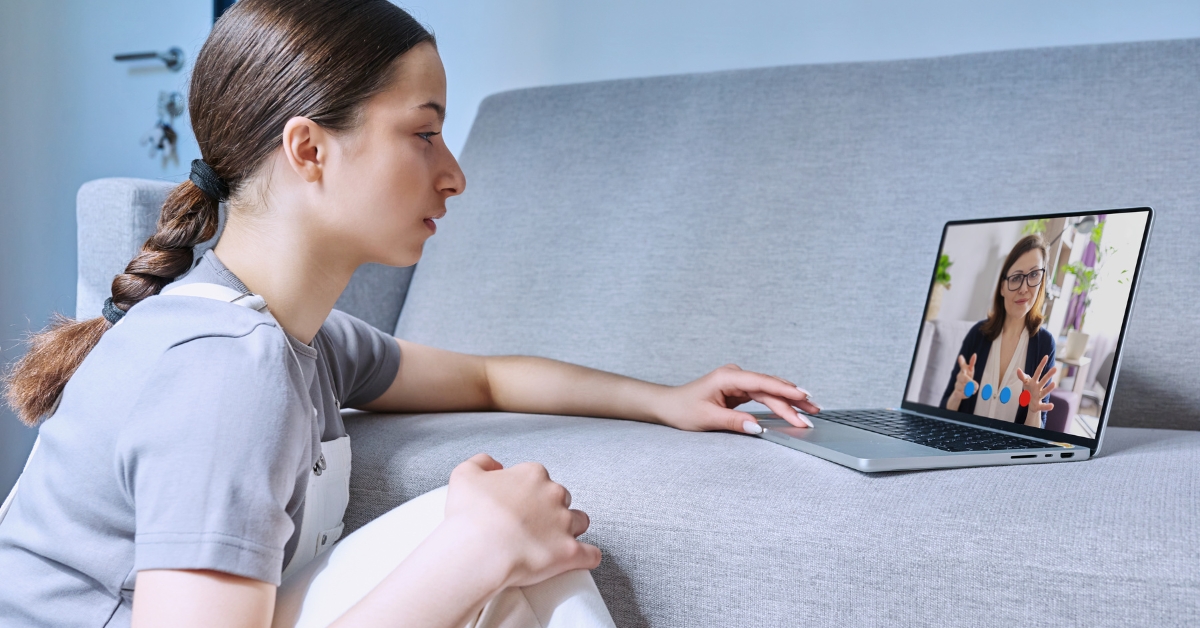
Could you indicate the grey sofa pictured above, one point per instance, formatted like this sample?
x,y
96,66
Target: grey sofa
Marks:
x,y
785,219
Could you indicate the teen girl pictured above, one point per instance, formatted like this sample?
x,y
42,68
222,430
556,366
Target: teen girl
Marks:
x,y
196,458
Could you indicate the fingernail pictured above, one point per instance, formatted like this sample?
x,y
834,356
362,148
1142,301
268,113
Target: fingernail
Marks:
x,y
804,418
804,391
809,400
750,427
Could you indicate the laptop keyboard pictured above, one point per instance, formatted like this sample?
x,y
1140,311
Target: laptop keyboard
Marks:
x,y
943,435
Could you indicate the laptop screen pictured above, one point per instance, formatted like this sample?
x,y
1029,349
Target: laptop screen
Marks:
x,y
1024,321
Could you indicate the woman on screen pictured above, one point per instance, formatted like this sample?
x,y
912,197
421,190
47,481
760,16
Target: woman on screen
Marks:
x,y
1015,352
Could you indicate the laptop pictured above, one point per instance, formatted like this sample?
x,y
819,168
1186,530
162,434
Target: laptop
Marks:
x,y
1005,296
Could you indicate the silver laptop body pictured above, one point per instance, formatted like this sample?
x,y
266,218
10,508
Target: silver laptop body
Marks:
x,y
922,433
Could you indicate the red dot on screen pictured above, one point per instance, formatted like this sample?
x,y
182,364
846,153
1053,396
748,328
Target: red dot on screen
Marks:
x,y
1024,398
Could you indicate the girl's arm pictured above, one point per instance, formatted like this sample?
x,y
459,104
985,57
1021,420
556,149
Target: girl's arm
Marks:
x,y
185,598
502,528
434,380
444,569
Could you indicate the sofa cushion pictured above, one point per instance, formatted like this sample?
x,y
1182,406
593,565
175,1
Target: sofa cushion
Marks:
x,y
787,219
720,529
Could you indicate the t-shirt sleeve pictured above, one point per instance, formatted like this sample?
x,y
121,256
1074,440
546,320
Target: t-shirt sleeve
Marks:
x,y
363,360
212,454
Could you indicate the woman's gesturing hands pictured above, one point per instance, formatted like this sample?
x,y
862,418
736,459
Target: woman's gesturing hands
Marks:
x,y
524,517
1038,386
708,403
966,375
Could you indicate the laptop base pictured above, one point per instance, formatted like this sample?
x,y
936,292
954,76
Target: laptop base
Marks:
x,y
871,453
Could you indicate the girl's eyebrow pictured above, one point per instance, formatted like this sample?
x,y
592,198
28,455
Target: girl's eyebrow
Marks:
x,y
437,107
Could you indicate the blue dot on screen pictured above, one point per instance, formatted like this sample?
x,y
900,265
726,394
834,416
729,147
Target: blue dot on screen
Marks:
x,y
987,392
969,389
1005,395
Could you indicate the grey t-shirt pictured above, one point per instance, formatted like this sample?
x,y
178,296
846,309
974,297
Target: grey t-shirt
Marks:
x,y
184,441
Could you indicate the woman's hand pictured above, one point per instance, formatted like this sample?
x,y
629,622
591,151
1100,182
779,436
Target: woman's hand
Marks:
x,y
524,516
1038,386
966,375
708,403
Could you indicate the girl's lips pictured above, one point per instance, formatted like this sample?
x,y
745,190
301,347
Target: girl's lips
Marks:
x,y
432,225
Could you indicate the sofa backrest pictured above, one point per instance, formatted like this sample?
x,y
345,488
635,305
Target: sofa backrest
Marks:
x,y
115,216
786,219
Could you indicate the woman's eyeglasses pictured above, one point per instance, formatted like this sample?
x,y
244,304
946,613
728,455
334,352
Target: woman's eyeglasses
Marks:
x,y
1032,279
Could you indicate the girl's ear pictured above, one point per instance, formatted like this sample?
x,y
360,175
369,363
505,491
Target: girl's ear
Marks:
x,y
306,147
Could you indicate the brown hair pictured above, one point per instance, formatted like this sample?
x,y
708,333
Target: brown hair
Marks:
x,y
264,62
1033,318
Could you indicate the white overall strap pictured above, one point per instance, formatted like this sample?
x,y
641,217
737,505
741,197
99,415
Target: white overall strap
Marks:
x,y
13,493
219,293
325,502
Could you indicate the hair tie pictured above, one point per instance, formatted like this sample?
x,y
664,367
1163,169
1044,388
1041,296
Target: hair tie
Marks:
x,y
112,313
205,178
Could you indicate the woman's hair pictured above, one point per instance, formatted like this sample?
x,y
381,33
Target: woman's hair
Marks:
x,y
1033,319
265,62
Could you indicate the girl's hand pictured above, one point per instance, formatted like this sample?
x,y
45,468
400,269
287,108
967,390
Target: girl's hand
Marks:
x,y
523,517
1038,386
708,403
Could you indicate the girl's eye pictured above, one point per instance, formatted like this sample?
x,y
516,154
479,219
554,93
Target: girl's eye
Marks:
x,y
427,136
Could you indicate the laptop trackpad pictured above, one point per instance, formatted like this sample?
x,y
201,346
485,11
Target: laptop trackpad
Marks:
x,y
849,440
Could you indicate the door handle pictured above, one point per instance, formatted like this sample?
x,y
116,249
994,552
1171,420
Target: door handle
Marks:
x,y
173,58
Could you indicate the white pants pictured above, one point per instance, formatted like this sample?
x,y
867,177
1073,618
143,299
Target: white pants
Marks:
x,y
336,580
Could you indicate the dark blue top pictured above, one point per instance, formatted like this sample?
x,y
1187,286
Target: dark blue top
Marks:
x,y
1041,344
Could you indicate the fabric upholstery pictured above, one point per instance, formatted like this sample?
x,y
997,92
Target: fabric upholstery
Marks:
x,y
720,529
787,219
115,216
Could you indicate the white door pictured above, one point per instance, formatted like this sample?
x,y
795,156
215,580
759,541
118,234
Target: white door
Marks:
x,y
70,113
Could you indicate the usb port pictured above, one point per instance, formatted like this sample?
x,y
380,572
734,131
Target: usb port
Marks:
x,y
1025,456
1068,454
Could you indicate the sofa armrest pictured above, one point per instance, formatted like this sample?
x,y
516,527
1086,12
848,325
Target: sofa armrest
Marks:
x,y
113,218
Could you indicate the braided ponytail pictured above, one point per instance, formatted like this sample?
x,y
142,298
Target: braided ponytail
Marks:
x,y
189,217
264,62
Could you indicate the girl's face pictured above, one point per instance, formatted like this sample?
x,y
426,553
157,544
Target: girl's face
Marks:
x,y
390,177
1017,303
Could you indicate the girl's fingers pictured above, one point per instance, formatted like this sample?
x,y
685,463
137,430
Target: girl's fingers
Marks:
x,y
972,364
750,382
586,556
782,408
809,406
481,462
962,364
579,522
734,421
784,381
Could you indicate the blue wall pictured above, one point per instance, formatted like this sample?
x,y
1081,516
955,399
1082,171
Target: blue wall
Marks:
x,y
494,45
70,114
